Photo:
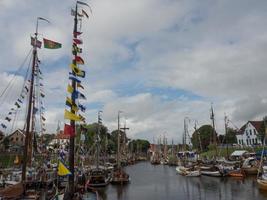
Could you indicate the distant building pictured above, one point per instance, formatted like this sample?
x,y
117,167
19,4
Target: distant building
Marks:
x,y
16,138
249,133
60,139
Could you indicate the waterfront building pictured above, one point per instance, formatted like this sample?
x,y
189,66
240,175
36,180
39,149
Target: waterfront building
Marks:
x,y
249,133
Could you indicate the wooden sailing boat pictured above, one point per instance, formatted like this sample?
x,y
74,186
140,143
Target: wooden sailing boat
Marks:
x,y
29,180
119,175
262,179
98,177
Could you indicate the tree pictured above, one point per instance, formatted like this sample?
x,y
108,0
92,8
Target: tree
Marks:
x,y
262,130
203,137
229,138
6,143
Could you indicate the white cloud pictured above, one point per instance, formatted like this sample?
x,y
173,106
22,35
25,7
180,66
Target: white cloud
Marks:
x,y
214,49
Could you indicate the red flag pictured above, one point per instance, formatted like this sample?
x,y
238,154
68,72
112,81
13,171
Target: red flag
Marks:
x,y
77,41
79,60
77,33
69,130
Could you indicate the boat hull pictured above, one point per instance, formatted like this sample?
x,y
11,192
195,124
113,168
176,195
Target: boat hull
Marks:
x,y
262,184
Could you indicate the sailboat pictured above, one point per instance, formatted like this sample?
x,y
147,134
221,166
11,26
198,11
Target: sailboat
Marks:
x,y
98,176
32,179
262,179
119,175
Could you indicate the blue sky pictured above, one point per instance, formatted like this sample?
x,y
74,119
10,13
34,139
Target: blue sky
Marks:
x,y
159,61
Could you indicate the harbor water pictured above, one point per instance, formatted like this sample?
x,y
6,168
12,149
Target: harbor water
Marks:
x,y
160,182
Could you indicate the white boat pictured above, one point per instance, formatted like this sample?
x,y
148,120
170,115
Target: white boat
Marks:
x,y
216,173
190,172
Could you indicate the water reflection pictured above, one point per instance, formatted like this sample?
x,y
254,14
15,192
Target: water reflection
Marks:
x,y
162,183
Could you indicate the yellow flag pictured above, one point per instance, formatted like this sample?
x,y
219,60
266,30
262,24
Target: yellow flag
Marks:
x,y
71,104
62,170
71,116
70,89
77,70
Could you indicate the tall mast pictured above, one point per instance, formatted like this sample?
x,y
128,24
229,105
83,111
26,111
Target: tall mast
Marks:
x,y
214,141
29,113
124,138
97,139
72,122
226,131
118,140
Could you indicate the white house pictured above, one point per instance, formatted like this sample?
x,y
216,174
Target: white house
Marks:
x,y
60,139
249,133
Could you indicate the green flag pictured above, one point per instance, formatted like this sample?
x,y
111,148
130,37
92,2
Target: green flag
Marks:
x,y
49,44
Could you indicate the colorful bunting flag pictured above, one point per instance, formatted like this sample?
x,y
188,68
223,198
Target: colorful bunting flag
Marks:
x,y
71,116
43,118
62,169
79,60
73,78
77,41
79,85
42,94
72,105
36,43
70,89
8,119
69,130
75,34
83,108
78,95
17,104
76,49
77,71
3,126
49,44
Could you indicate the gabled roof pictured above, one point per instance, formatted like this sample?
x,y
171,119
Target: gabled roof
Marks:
x,y
17,131
256,124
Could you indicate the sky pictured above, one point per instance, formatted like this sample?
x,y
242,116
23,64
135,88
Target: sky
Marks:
x,y
158,61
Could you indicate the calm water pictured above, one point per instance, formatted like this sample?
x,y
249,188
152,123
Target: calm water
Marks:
x,y
160,182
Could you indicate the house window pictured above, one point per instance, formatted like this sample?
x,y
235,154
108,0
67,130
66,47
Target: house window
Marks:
x,y
242,142
252,141
250,131
246,132
255,133
256,141
17,139
247,141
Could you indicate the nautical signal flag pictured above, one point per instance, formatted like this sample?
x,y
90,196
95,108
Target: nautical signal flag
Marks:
x,y
71,116
76,33
77,71
62,170
35,42
49,44
79,60
79,85
77,41
69,130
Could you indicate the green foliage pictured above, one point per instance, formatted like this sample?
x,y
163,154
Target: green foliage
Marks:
x,y
139,146
6,143
203,137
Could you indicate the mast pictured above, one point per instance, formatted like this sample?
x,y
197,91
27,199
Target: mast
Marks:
x,y
124,138
214,138
226,139
118,140
97,138
72,122
29,113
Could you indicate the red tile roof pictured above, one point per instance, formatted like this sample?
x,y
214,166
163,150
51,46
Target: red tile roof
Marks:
x,y
256,124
